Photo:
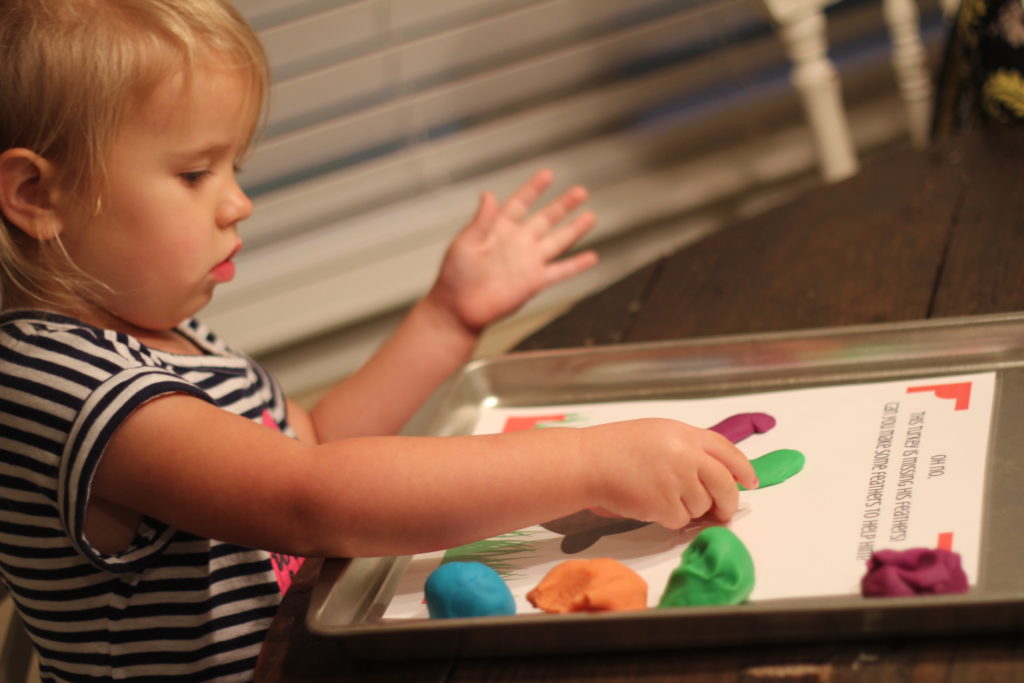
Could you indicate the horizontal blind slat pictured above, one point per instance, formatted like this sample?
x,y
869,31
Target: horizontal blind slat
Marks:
x,y
264,14
394,123
411,66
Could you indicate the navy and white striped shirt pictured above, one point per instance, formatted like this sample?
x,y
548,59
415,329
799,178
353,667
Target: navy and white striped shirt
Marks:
x,y
171,604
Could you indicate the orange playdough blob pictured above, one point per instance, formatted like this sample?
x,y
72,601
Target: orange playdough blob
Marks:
x,y
597,585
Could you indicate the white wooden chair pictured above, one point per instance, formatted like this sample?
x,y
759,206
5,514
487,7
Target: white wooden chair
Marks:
x,y
801,27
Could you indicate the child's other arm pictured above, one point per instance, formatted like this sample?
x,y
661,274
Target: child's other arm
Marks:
x,y
501,259
229,478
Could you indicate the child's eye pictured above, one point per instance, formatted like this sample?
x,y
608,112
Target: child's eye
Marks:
x,y
193,177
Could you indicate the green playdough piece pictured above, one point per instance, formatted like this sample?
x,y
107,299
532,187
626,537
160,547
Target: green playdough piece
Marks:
x,y
776,467
716,569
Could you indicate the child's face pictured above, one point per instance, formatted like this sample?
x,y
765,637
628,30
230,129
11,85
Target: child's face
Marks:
x,y
167,223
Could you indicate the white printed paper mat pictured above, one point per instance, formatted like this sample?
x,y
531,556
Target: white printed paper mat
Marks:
x,y
896,464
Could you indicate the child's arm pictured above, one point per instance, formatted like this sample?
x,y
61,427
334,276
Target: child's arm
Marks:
x,y
253,486
502,258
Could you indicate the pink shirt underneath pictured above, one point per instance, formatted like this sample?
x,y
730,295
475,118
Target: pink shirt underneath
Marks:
x,y
285,566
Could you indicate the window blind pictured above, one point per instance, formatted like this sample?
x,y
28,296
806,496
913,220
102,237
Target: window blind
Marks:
x,y
389,117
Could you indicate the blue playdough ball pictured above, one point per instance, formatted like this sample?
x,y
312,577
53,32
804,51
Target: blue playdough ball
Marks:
x,y
467,589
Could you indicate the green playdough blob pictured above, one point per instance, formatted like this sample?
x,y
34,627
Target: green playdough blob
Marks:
x,y
716,569
776,467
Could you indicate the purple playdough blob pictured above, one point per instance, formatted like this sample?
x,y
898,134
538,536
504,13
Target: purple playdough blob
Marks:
x,y
739,427
917,571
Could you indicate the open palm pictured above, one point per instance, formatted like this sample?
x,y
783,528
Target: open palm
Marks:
x,y
505,255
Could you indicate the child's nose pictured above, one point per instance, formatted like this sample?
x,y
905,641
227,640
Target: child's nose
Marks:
x,y
235,207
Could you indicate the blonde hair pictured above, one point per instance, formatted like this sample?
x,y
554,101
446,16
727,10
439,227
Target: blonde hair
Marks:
x,y
70,70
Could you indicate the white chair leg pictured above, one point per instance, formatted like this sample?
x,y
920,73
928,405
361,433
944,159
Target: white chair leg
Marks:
x,y
910,63
815,78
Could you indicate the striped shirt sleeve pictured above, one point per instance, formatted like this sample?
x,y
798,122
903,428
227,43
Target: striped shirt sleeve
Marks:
x,y
102,413
171,604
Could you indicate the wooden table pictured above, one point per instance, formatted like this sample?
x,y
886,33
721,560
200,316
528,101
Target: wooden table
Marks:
x,y
915,235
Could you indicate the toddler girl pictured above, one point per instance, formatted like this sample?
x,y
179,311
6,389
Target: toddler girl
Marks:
x,y
149,474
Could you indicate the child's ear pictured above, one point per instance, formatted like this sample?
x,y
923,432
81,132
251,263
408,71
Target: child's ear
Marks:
x,y
29,193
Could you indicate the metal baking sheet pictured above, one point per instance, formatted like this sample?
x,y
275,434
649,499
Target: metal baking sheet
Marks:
x,y
351,595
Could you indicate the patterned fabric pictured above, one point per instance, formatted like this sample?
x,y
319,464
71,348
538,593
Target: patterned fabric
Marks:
x,y
982,79
172,604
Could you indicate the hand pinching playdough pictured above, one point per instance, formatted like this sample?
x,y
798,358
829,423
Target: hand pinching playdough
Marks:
x,y
716,569
585,528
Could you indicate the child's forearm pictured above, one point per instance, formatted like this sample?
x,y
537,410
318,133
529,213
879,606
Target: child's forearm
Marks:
x,y
420,494
428,346
395,495
387,495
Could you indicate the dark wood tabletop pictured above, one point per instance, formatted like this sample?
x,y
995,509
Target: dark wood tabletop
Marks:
x,y
915,235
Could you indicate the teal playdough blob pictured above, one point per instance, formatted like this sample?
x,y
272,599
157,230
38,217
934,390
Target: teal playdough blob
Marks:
x,y
776,467
467,589
716,569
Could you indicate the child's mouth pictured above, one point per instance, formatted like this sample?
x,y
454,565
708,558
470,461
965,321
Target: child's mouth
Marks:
x,y
225,270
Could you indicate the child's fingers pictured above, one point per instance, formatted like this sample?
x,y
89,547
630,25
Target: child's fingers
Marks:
x,y
558,241
726,453
562,270
486,210
518,205
721,487
675,515
552,214
696,498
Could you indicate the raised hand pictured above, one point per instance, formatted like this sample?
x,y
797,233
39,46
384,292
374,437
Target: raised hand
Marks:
x,y
506,255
